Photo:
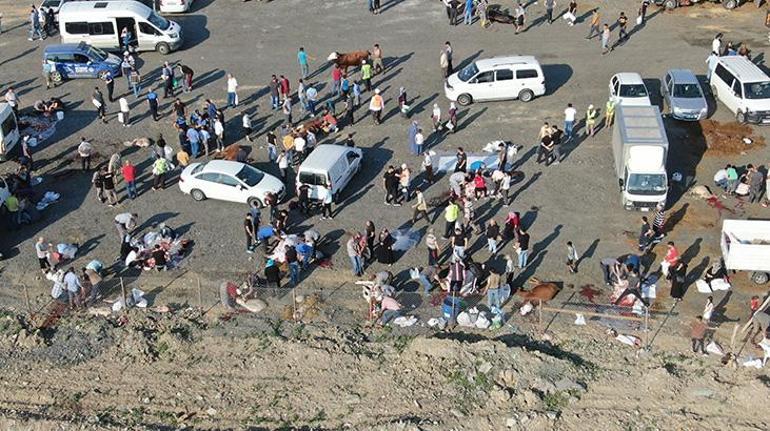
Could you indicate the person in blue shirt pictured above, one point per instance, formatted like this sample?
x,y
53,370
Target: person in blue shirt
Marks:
x,y
193,138
152,100
468,12
302,59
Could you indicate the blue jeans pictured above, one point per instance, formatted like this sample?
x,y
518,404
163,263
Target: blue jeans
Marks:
x,y
358,267
496,298
306,258
131,189
418,148
294,273
426,286
274,101
523,255
231,100
468,15
568,125
492,245
336,87
136,88
311,106
35,32
194,149
389,315
304,69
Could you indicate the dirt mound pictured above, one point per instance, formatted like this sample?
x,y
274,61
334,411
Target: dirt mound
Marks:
x,y
728,138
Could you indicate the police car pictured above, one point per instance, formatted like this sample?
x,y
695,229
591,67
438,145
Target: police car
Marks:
x,y
79,60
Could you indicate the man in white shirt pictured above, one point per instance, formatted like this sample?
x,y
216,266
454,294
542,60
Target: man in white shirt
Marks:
x,y
125,223
569,120
232,85
716,44
84,152
419,140
720,178
427,164
219,131
299,147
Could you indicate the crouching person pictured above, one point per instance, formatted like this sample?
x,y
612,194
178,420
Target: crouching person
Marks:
x,y
231,295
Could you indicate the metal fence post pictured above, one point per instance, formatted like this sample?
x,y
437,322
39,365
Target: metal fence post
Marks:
x,y
646,327
200,294
123,293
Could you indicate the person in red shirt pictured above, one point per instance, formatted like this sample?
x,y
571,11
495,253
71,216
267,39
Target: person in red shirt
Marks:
x,y
129,176
285,87
480,185
336,79
754,304
671,258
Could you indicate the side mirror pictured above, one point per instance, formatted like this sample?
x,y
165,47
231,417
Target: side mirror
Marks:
x,y
621,185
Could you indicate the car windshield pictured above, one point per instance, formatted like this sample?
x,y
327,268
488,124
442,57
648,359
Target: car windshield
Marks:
x,y
687,91
757,90
158,21
635,90
646,184
197,169
97,54
250,176
468,72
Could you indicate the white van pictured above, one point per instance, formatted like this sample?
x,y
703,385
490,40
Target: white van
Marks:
x,y
743,88
9,131
330,166
99,24
496,78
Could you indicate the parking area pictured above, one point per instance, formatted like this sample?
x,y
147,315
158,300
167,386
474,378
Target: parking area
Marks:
x,y
577,201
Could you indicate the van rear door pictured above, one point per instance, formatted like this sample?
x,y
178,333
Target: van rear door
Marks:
x,y
314,180
9,131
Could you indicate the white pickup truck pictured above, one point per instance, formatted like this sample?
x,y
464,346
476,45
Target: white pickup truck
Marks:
x,y
746,247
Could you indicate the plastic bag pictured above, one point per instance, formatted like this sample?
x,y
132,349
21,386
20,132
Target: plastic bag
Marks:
x,y
639,20
580,319
702,286
715,348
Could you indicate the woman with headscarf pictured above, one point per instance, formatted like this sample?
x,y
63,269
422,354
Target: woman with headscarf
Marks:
x,y
412,134
678,277
512,224
452,125
371,236
591,115
436,117
385,248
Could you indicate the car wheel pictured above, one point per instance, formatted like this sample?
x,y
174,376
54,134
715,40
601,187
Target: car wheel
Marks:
x,y
759,277
464,99
740,117
254,203
103,74
670,4
729,4
197,195
526,95
163,48
56,77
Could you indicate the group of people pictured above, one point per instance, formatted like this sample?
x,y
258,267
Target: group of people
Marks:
x,y
751,183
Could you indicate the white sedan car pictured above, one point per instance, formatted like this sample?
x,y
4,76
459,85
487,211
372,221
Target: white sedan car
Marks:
x,y
229,181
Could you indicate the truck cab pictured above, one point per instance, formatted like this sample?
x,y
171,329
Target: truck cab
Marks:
x,y
640,148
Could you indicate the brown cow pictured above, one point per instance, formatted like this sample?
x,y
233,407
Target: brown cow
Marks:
x,y
542,291
348,59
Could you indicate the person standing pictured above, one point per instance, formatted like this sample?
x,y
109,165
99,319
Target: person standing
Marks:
x,y
98,101
404,180
370,233
286,109
609,113
698,335
468,12
493,236
716,45
187,77
420,207
304,66
108,182
436,118
219,133
756,181
678,280
462,160
136,82
385,248
376,106
569,120
366,75
354,253
451,214
159,169
431,243
167,74
572,12
520,15
283,165
328,199
622,28
125,112
522,247
232,86
572,257
606,39
591,115
41,250
285,87
34,25
427,164
109,81
453,6
452,113
85,150
293,261
595,28
152,102
448,50
444,64
643,11
670,259
549,6
377,64
125,68
128,171
274,86
390,184
250,228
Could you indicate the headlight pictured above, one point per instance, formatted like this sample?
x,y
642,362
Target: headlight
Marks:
x,y
704,111
677,111
173,35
